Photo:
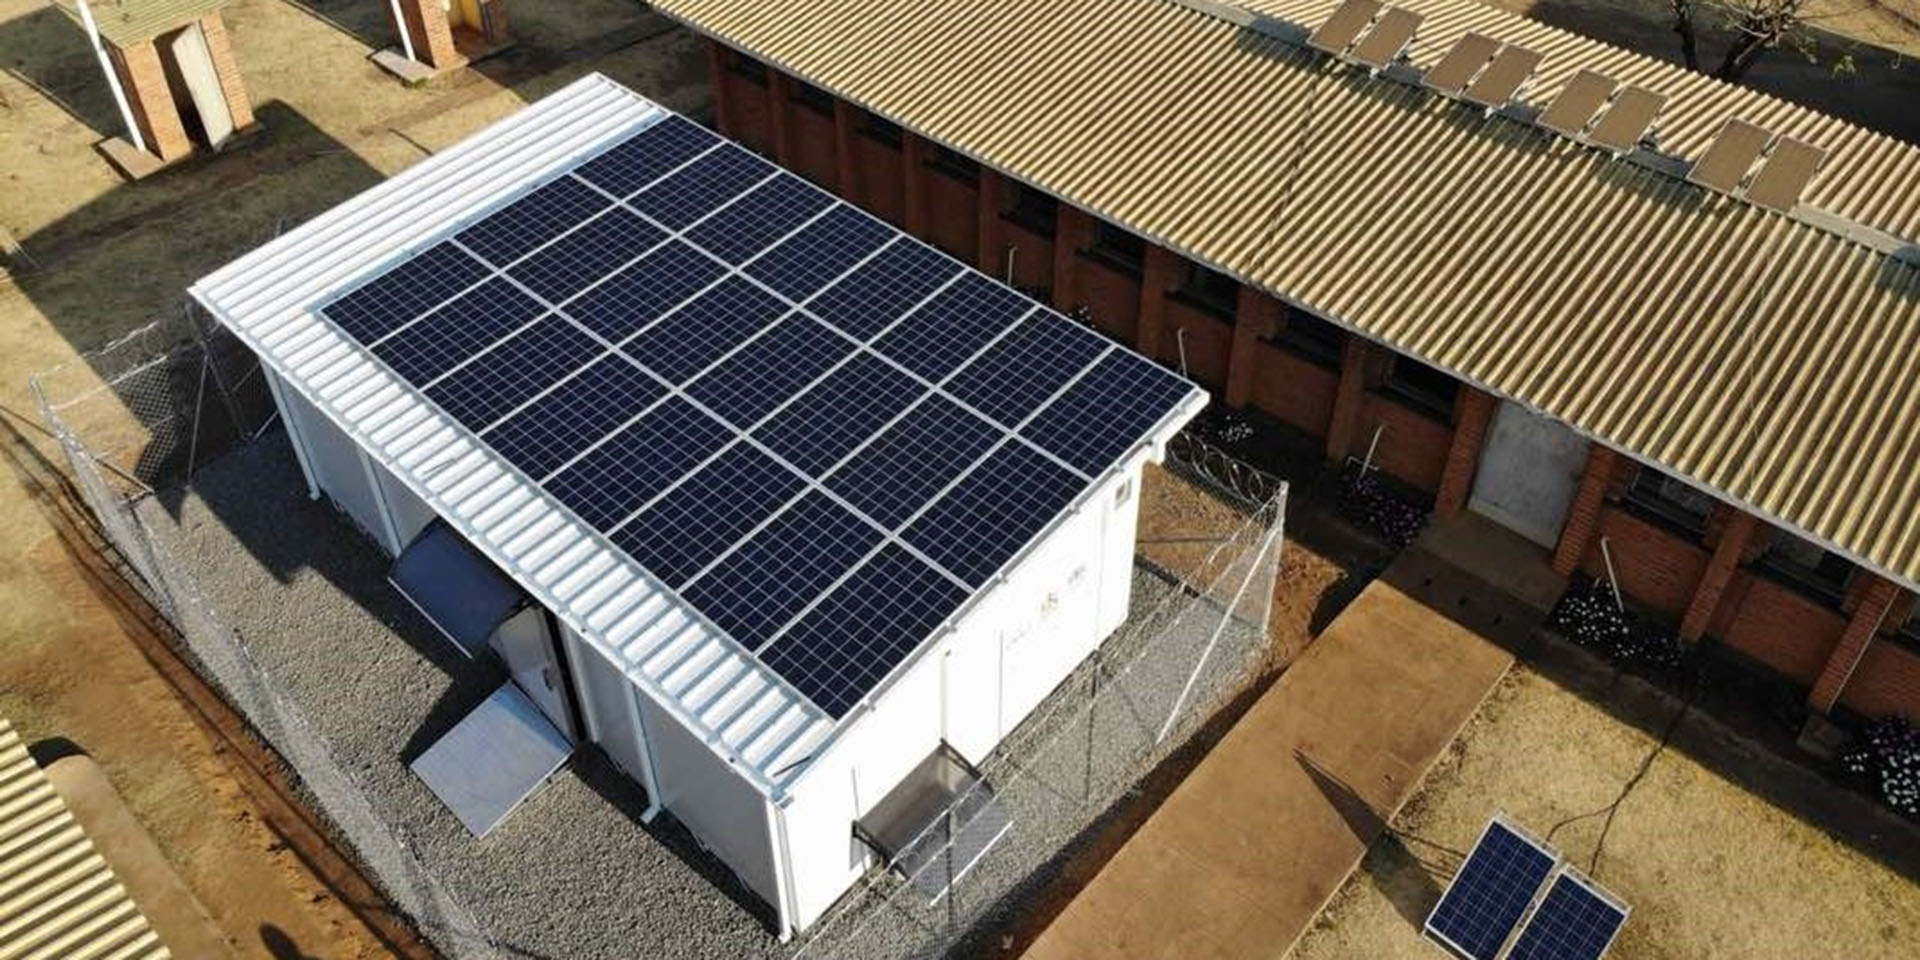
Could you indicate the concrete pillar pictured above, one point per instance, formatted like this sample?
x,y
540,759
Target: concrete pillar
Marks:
x,y
1473,411
1347,399
1583,515
991,258
1734,535
152,103
232,86
1157,276
1070,226
425,22
1255,315
779,99
913,171
1862,627
845,162
722,90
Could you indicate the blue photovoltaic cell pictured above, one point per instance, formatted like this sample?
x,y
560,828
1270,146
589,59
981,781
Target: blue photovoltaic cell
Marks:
x,y
821,251
778,571
997,510
1572,922
936,339
552,429
877,292
647,156
750,224
405,292
691,338
513,372
1021,372
683,532
615,478
1107,411
508,233
572,262
840,650
441,340
702,186
1490,893
644,291
765,373
839,413
913,460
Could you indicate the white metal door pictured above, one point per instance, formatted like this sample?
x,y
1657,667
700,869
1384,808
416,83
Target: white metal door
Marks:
x,y
203,84
529,651
1528,472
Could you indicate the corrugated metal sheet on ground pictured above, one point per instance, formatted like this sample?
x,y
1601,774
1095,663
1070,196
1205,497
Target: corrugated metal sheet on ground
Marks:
x,y
58,897
1765,357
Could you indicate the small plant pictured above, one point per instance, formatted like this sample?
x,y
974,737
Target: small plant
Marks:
x,y
1589,616
1366,502
1887,754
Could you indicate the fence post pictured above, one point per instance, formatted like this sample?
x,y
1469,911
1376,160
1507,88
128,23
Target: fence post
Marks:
x,y
219,382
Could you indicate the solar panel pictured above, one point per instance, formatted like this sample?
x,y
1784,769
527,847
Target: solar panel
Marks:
x,y
1491,892
913,460
1785,174
1015,376
614,479
701,187
441,340
681,533
820,252
644,291
768,212
1731,154
514,372
987,518
405,292
875,294
704,329
768,371
1576,920
532,220
1337,33
1107,411
777,572
1462,63
934,340
553,428
839,413
595,248
1500,82
1627,119
862,630
1388,38
1579,100
647,156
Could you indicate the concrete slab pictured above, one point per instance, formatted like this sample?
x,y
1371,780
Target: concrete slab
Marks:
x,y
1246,851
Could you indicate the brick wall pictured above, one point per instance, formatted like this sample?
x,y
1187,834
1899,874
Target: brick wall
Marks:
x,y
953,213
1293,390
1413,447
1777,626
1111,296
810,145
154,111
232,86
1209,341
1655,568
878,187
1033,263
747,118
426,24
1887,681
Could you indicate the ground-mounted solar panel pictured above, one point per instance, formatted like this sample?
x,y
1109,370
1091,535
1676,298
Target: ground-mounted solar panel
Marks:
x,y
741,229
1000,507
681,533
909,463
592,251
1016,376
934,340
1107,411
647,156
770,370
874,295
457,330
511,232
838,414
612,480
644,290
1491,893
820,252
840,650
704,329
776,573
700,187
410,289
1576,920
581,410
513,372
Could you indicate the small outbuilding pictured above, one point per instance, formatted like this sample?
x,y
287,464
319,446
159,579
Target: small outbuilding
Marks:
x,y
439,35
791,514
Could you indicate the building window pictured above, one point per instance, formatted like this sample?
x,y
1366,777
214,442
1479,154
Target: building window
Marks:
x,y
1117,248
1669,502
881,129
1312,339
954,164
747,67
1806,566
811,97
1036,210
1909,634
1210,290
1420,387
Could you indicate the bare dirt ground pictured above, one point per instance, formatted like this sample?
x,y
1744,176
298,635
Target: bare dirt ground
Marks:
x,y
1709,869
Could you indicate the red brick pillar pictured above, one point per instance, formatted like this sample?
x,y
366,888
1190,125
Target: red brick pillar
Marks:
x,y
232,86
1735,532
1861,629
1255,315
1156,278
779,101
425,22
1472,414
1583,516
718,82
1347,398
154,111
1070,228
845,163
913,168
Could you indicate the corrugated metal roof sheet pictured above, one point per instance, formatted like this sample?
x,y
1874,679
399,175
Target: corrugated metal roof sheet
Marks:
x,y
58,897
127,22
1771,358
718,688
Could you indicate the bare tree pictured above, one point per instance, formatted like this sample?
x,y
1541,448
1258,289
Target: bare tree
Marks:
x,y
1755,26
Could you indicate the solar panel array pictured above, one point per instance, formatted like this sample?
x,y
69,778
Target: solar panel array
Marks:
x,y
1574,922
1497,886
825,435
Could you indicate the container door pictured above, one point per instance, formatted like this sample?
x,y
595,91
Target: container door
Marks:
x,y
533,659
195,63
1527,474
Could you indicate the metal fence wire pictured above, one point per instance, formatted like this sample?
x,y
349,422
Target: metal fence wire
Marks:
x,y
137,417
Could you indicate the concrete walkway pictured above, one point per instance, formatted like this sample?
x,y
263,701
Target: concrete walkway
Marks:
x,y
1240,858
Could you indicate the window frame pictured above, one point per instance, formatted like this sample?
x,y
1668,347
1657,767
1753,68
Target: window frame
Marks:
x,y
1810,582
1311,349
1208,290
751,69
881,129
1020,209
1907,634
1128,257
811,97
1396,384
1663,511
946,160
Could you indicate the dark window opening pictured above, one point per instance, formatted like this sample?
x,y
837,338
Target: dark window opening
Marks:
x,y
1908,635
1117,248
1312,339
811,97
1669,502
1210,290
1033,209
1422,387
1807,567
881,129
747,67
954,164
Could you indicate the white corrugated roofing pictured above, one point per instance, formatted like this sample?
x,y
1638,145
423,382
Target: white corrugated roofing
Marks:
x,y
720,689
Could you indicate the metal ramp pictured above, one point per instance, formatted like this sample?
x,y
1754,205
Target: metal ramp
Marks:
x,y
937,824
493,759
